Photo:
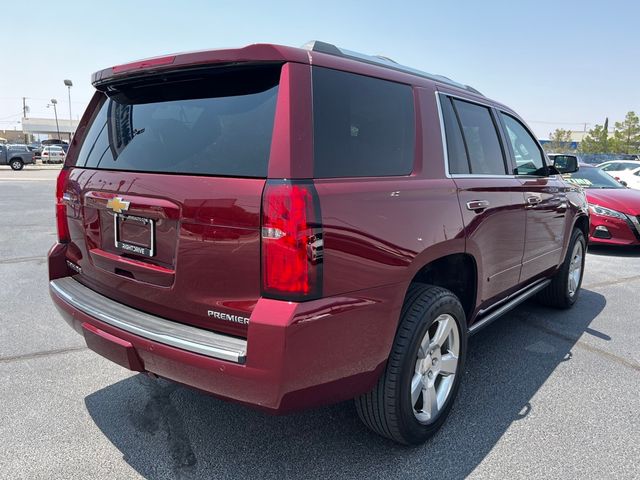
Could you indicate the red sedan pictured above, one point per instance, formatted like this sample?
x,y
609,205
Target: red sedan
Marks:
x,y
615,209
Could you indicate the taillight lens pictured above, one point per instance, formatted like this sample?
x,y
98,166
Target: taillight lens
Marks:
x,y
292,244
61,209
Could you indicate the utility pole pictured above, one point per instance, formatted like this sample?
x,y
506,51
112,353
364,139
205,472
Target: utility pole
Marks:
x,y
24,115
69,84
54,102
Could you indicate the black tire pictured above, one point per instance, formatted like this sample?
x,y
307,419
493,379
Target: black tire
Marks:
x,y
388,409
557,293
16,164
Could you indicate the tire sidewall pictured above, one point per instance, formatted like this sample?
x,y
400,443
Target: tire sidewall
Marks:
x,y
415,431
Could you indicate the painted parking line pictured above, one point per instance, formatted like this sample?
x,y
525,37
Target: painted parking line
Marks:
x,y
13,179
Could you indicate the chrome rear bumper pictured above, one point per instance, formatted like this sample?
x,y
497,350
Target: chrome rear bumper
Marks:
x,y
148,326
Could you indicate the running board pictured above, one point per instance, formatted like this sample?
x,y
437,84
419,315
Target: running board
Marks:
x,y
514,302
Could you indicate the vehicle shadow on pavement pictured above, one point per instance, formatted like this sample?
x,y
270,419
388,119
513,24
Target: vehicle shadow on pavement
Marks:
x,y
169,431
615,251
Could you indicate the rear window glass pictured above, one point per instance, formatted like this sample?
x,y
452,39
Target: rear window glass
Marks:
x,y
362,126
213,122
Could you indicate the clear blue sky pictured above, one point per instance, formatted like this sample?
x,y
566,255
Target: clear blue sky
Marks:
x,y
564,62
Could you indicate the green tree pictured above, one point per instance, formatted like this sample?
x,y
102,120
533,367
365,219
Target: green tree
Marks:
x,y
596,140
626,137
559,141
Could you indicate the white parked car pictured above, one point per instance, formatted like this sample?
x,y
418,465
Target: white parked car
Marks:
x,y
630,177
616,167
52,154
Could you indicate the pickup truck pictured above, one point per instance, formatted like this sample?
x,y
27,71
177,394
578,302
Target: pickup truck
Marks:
x,y
16,156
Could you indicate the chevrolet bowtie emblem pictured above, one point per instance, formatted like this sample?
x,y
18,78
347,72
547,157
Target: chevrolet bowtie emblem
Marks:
x,y
118,205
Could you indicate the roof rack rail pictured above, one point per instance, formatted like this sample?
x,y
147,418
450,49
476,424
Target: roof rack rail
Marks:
x,y
330,49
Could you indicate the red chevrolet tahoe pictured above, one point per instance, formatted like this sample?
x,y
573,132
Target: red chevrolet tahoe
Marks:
x,y
288,228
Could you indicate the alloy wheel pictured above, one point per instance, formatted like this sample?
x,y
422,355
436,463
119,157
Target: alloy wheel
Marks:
x,y
435,370
575,269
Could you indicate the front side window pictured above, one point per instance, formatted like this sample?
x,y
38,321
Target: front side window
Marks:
x,y
480,138
362,126
527,155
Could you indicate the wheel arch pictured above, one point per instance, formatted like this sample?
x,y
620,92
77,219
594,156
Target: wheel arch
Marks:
x,y
457,272
582,222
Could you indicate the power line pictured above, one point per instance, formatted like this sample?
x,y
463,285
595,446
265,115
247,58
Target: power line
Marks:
x,y
9,116
557,123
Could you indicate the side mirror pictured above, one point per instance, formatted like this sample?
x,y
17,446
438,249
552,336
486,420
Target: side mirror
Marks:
x,y
566,163
624,184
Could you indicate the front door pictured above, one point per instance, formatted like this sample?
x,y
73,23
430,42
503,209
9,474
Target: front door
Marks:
x,y
544,196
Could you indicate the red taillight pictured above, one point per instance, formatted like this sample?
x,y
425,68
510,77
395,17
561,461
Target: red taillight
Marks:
x,y
291,241
61,208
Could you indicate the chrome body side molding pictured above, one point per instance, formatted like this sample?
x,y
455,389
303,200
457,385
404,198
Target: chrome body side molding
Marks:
x,y
510,303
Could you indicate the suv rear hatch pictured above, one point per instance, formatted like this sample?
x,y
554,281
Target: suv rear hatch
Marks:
x,y
164,198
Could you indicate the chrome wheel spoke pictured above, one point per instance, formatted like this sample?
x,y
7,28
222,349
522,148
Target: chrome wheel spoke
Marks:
x,y
416,388
448,364
424,346
430,400
445,325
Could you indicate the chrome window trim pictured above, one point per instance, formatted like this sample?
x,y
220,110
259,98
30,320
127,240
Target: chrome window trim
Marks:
x,y
445,151
443,135
146,325
482,175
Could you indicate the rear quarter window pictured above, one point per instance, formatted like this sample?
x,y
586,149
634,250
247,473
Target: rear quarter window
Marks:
x,y
362,126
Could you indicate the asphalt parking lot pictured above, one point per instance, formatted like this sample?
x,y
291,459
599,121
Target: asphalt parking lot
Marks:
x,y
546,393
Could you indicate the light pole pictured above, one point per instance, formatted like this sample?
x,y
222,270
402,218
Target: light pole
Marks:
x,y
55,112
69,84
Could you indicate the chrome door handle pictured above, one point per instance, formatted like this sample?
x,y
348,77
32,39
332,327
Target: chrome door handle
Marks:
x,y
533,200
477,205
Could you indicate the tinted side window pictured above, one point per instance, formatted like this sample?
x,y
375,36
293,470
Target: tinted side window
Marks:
x,y
481,138
362,126
527,155
456,151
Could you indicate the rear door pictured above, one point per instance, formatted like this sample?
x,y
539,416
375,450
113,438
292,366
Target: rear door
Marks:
x,y
545,198
166,193
491,201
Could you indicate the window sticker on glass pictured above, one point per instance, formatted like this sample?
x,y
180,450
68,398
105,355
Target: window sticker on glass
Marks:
x,y
581,182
